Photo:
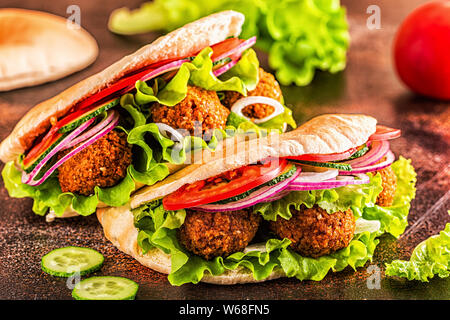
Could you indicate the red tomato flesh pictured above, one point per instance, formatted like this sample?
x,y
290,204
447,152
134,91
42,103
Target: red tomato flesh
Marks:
x,y
224,186
385,133
326,157
422,50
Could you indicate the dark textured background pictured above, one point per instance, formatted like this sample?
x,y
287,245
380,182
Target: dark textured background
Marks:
x,y
368,85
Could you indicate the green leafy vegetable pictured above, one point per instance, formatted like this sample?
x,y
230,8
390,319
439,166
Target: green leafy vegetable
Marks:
x,y
431,257
241,78
299,35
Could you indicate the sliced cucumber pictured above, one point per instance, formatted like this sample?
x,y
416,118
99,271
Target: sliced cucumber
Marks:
x,y
40,157
65,262
288,172
340,166
88,115
358,153
105,288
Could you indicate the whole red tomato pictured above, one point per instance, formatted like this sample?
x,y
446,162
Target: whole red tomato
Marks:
x,y
422,50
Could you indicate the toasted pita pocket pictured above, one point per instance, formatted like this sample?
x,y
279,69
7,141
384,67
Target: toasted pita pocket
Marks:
x,y
324,134
37,47
182,42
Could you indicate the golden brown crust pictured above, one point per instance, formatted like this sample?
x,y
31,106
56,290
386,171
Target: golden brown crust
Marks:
x,y
38,47
179,43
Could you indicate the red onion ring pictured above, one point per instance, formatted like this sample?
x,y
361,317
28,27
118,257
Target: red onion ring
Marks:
x,y
225,68
328,184
377,151
239,49
91,132
26,178
390,157
29,178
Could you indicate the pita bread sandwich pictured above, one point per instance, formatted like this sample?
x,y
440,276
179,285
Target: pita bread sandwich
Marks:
x,y
297,204
139,120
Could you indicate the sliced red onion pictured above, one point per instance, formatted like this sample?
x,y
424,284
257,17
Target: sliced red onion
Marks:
x,y
29,179
328,184
26,178
317,176
239,49
377,151
390,157
90,132
225,68
164,129
277,196
243,102
256,197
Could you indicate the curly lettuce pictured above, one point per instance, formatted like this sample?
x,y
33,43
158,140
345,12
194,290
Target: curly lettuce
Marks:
x,y
300,36
431,257
241,78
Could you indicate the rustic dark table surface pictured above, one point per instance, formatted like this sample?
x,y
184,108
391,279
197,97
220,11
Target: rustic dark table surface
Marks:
x,y
368,85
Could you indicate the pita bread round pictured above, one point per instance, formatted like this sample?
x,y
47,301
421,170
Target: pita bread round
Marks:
x,y
37,47
182,42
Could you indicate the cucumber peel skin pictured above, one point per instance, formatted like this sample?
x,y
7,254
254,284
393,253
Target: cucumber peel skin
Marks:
x,y
333,165
68,261
89,115
274,181
357,154
105,288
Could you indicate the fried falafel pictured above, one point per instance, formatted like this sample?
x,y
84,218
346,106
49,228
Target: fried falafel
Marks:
x,y
314,232
213,234
389,184
102,164
200,109
267,86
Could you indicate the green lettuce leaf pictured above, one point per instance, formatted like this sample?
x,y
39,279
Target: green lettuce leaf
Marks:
x,y
394,219
331,200
299,36
241,78
157,229
431,257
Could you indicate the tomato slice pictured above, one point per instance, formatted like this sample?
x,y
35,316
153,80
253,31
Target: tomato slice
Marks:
x,y
385,133
326,157
224,46
224,186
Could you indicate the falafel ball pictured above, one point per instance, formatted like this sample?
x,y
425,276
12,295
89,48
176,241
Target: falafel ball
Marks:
x,y
389,184
267,87
199,105
314,232
213,234
103,164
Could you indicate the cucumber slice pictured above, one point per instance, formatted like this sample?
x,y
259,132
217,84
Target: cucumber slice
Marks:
x,y
340,166
88,115
40,157
288,172
358,153
105,288
65,262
